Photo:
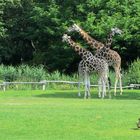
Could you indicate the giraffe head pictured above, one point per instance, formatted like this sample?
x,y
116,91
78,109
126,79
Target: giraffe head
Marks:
x,y
116,31
65,38
74,27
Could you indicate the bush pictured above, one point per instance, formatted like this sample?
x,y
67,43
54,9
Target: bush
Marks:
x,y
22,73
8,73
27,73
133,74
31,73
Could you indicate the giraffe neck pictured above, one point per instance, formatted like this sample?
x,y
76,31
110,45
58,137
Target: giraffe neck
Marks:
x,y
91,41
77,48
109,40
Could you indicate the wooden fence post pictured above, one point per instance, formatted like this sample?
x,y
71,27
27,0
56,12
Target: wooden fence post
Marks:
x,y
44,87
4,86
132,86
43,82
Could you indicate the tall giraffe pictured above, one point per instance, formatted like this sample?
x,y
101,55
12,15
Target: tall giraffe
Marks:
x,y
103,52
89,64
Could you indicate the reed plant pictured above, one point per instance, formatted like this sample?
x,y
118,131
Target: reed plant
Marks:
x,y
26,73
8,73
133,73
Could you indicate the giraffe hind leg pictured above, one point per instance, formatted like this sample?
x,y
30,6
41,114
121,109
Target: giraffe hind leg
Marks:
x,y
115,85
120,80
88,85
118,77
103,87
108,86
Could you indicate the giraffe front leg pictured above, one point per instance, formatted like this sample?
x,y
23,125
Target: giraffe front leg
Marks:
x,y
85,96
103,88
115,86
121,90
86,85
99,88
81,78
79,94
87,92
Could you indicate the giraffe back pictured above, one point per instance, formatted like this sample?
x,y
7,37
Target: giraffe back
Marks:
x,y
110,56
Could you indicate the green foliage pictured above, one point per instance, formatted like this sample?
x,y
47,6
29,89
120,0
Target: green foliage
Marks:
x,y
133,74
8,73
26,73
22,73
44,22
31,73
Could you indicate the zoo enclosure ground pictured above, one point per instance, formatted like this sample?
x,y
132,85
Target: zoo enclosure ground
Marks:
x,y
61,115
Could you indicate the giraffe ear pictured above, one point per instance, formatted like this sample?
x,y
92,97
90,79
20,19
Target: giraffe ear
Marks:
x,y
64,37
120,31
116,30
112,29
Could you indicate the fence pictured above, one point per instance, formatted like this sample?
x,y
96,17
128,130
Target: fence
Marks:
x,y
45,82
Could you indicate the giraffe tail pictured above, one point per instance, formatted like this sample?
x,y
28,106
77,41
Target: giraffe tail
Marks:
x,y
109,81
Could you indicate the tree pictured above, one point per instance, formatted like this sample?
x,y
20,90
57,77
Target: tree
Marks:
x,y
32,30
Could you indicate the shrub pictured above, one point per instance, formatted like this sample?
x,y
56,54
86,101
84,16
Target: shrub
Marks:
x,y
133,73
31,73
8,73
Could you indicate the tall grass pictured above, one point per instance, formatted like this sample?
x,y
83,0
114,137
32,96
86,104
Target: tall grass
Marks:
x,y
37,73
133,73
27,73
31,73
22,73
8,73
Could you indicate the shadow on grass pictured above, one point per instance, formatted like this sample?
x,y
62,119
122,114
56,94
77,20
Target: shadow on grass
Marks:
x,y
135,128
127,95
65,94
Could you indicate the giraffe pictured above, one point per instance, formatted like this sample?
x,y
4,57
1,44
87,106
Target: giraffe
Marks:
x,y
108,44
110,56
89,64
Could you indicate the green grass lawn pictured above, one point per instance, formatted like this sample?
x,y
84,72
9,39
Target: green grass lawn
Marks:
x,y
61,115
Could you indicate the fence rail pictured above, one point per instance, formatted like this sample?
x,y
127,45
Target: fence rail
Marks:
x,y
45,82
